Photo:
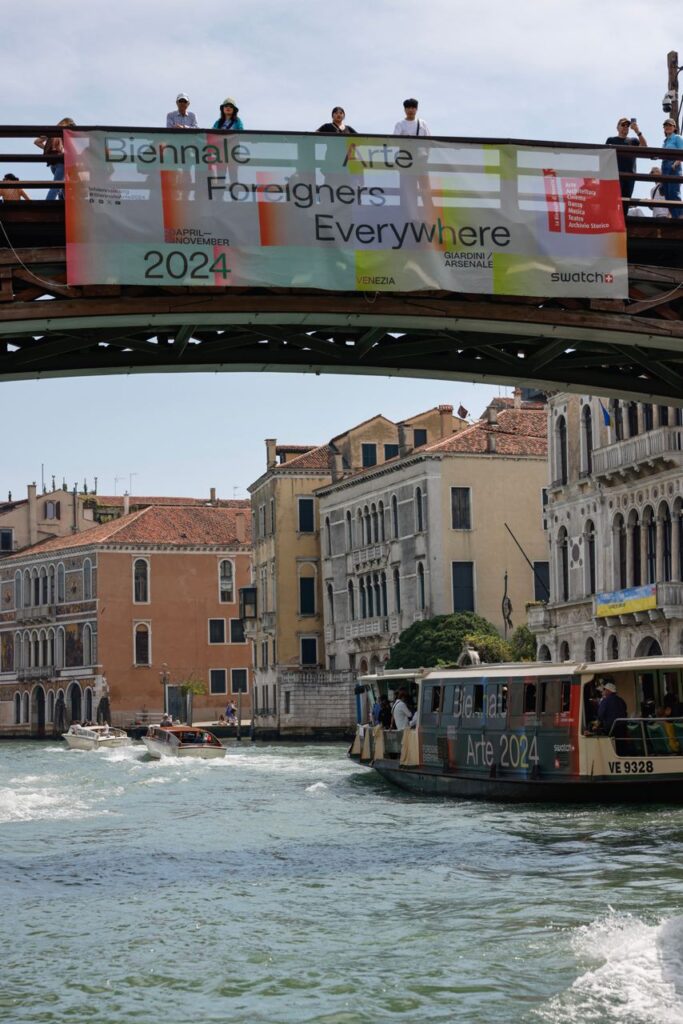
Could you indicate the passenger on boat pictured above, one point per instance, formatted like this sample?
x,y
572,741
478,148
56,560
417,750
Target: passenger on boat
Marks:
x,y
385,712
672,707
376,711
166,720
610,708
400,711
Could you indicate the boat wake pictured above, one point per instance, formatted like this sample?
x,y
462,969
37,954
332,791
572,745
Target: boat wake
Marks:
x,y
636,974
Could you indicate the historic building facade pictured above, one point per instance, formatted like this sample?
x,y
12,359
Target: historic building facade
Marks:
x,y
615,530
126,609
298,688
434,531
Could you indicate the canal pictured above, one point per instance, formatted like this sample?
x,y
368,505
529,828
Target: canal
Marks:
x,y
285,884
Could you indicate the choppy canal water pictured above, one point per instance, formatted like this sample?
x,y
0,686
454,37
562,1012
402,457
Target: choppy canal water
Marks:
x,y
285,884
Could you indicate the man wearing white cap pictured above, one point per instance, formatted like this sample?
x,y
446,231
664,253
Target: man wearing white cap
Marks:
x,y
611,707
181,118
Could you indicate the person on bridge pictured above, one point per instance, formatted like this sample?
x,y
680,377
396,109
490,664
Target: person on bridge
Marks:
x,y
672,189
336,126
229,121
53,148
411,123
181,118
12,195
657,192
626,163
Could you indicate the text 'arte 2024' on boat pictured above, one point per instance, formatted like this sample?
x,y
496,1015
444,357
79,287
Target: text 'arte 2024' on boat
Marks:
x,y
182,741
529,732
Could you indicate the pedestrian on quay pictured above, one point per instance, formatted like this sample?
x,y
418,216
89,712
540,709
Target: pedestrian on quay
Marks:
x,y
53,148
336,126
411,123
626,163
12,195
672,189
229,121
181,117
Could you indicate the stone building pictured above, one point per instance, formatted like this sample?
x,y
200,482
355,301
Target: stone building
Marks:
x,y
298,688
433,531
146,602
615,530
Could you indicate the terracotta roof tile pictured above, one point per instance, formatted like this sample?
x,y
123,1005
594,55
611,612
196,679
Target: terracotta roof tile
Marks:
x,y
518,432
117,500
319,458
157,524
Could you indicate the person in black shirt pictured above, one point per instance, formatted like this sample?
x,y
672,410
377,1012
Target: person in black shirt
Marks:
x,y
336,126
626,163
610,708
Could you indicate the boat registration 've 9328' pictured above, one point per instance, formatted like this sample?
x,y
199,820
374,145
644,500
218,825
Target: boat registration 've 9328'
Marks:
x,y
609,732
182,741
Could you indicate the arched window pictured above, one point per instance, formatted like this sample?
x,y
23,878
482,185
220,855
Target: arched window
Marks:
x,y
27,589
634,530
330,602
17,589
363,600
42,648
650,545
613,648
50,706
564,651
349,532
87,645
35,649
226,584
88,704
17,709
421,598
25,709
87,579
665,527
383,590
142,644
563,564
632,413
617,419
589,561
59,650
380,514
663,415
543,653
619,552
18,652
44,589
369,593
35,587
328,535
352,602
367,522
648,418
590,649
419,511
394,517
561,450
587,439
51,593
375,524
141,581
61,583
359,528
397,591
50,647
378,594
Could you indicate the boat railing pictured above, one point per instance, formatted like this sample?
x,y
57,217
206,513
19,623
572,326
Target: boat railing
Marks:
x,y
647,737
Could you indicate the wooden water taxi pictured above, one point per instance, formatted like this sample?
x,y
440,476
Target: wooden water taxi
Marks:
x,y
94,737
530,732
182,741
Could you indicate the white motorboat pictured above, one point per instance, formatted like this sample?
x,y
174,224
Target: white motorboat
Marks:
x,y
94,737
182,741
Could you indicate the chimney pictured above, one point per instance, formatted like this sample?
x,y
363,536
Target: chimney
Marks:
x,y
517,398
32,514
240,527
126,503
212,495
337,466
491,414
491,443
445,420
404,440
271,457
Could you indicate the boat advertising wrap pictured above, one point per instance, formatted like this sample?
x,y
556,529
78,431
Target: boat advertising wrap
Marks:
x,y
348,213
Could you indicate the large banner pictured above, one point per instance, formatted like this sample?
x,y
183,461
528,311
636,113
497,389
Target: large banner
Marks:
x,y
347,213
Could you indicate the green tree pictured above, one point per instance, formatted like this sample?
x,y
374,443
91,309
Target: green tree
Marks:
x,y
437,641
492,648
523,644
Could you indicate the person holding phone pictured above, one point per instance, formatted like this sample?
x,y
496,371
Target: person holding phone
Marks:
x,y
627,163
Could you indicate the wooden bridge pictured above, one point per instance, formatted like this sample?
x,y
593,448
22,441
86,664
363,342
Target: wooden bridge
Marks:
x,y
632,348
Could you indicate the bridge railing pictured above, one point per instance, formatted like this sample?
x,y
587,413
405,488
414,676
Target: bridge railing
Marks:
x,y
13,132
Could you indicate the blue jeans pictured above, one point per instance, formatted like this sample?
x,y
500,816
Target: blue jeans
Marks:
x,y
671,189
58,175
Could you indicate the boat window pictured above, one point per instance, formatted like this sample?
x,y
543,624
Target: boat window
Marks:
x,y
565,695
456,707
436,698
591,699
515,700
529,698
546,696
648,704
478,699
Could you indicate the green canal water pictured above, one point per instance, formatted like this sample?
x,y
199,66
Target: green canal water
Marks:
x,y
285,884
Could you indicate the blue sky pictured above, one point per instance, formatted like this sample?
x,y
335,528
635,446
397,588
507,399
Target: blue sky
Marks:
x,y
527,70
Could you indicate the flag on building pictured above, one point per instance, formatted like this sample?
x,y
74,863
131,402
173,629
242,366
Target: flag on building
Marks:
x,y
463,413
605,413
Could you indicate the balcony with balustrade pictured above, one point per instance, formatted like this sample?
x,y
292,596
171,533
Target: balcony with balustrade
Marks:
x,y
639,456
